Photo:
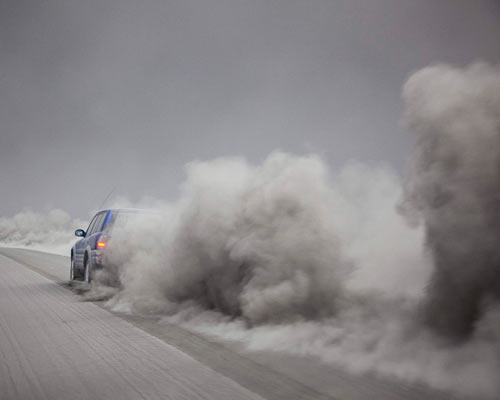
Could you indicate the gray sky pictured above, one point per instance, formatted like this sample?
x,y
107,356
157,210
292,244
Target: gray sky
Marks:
x,y
99,94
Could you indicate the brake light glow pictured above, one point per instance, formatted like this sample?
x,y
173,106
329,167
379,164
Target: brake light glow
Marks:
x,y
101,244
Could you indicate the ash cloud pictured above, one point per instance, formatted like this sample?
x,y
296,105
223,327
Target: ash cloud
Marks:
x,y
454,189
257,242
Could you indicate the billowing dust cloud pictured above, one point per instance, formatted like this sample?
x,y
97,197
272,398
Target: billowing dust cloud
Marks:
x,y
257,242
454,188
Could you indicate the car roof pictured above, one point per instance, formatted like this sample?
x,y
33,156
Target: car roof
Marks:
x,y
132,211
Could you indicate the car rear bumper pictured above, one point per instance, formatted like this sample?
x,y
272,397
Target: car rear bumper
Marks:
x,y
97,258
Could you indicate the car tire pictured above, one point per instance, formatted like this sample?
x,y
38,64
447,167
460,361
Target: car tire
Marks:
x,y
72,270
87,277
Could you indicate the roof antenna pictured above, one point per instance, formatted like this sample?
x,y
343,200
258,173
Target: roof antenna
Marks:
x,y
106,198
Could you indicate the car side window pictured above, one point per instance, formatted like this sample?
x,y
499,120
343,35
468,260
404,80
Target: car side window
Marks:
x,y
98,224
91,225
95,224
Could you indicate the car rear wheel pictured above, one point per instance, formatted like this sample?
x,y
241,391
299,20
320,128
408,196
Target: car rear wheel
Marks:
x,y
87,276
72,270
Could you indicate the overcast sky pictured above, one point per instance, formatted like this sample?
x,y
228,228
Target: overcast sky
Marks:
x,y
101,94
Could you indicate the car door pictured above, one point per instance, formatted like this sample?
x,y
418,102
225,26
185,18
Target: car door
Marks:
x,y
81,245
94,234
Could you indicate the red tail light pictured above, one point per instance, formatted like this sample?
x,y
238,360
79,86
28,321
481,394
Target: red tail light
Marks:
x,y
102,242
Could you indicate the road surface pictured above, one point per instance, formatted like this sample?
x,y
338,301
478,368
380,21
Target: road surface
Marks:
x,y
53,345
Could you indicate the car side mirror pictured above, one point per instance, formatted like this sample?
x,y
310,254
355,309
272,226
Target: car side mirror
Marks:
x,y
80,233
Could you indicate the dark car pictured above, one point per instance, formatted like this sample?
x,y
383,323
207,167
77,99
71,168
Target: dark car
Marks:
x,y
87,254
